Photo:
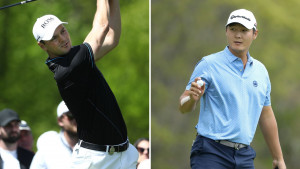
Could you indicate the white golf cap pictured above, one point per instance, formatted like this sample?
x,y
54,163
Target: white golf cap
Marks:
x,y
45,26
244,17
62,108
24,126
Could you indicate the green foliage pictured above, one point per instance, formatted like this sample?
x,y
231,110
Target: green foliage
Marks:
x,y
130,78
27,85
185,31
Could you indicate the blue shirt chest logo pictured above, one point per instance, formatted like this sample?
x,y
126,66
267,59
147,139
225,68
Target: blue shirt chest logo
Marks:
x,y
255,84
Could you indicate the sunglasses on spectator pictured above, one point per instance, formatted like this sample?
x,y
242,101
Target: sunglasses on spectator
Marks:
x,y
141,150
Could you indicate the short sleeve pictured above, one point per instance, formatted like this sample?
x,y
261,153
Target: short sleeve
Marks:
x,y
90,55
268,93
201,70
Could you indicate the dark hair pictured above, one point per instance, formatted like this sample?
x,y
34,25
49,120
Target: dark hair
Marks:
x,y
43,42
139,140
234,23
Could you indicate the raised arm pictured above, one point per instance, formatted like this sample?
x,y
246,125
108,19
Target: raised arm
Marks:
x,y
100,27
106,30
114,33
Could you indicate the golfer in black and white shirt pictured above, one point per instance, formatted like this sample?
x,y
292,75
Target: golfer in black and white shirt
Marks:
x,y
101,127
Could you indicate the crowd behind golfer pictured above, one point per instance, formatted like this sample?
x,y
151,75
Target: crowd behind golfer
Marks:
x,y
54,149
12,156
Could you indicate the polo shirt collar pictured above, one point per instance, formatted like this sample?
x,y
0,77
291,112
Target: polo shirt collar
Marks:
x,y
231,57
51,63
64,141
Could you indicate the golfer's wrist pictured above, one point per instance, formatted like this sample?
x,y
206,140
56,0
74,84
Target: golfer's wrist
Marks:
x,y
278,161
278,157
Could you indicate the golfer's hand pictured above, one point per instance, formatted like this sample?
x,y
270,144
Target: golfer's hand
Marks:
x,y
196,90
279,164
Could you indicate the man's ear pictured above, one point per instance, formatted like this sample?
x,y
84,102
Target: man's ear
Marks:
x,y
42,45
60,122
255,34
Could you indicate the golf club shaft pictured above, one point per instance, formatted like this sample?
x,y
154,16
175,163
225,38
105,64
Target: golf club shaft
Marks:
x,y
20,3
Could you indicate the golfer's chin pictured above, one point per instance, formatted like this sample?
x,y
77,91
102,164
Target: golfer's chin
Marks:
x,y
238,49
65,50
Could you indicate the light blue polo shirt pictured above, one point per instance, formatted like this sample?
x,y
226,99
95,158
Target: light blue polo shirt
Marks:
x,y
234,97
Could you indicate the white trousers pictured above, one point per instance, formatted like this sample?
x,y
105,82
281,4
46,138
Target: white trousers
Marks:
x,y
83,158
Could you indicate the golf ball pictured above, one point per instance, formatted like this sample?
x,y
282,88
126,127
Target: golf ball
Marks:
x,y
200,83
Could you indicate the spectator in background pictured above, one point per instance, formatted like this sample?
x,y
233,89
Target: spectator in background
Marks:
x,y
55,149
26,138
145,164
12,156
142,145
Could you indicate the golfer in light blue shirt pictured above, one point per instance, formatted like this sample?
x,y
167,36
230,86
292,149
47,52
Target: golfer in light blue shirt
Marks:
x,y
234,98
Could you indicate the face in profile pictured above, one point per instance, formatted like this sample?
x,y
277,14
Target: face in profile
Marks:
x,y
68,123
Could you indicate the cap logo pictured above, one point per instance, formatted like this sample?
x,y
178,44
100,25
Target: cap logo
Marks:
x,y
238,16
47,21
